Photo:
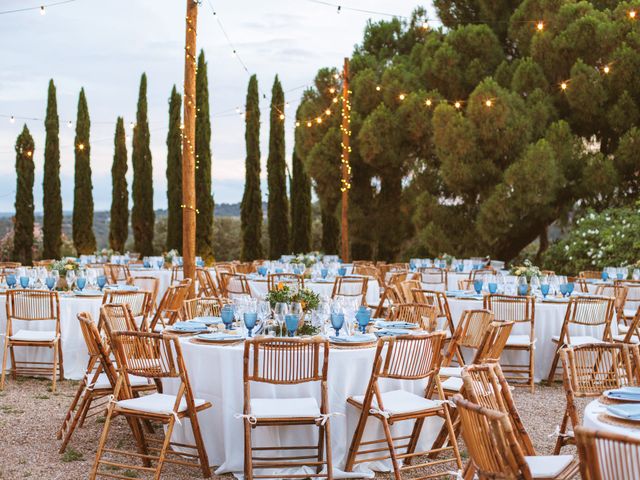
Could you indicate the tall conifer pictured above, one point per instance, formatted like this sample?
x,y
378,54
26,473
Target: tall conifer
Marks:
x,y
119,225
174,174
52,198
23,228
300,204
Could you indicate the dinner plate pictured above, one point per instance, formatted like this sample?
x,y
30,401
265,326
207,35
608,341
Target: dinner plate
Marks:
x,y
611,411
217,338
622,397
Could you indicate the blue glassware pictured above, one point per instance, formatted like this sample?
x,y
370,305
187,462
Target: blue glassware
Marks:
x,y
146,264
227,317
569,288
412,265
563,289
342,271
250,320
363,316
324,272
279,270
493,287
24,281
337,321
291,320
477,285
544,288
522,289
81,282
101,281
460,267
619,276
605,276
200,263
11,280
262,271
50,282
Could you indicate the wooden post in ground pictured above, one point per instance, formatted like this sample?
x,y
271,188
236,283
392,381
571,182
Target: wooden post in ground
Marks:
x,y
345,182
188,145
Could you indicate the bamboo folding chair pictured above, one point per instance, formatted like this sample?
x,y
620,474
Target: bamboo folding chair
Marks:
x,y
98,382
152,355
465,284
177,274
521,310
580,284
351,287
433,278
607,455
439,300
170,308
221,268
406,289
632,301
409,357
366,270
245,267
29,307
393,278
43,263
147,284
201,307
390,296
291,279
590,274
474,274
280,362
206,286
117,273
139,304
587,311
234,285
589,370
420,314
494,450
619,293
469,334
631,334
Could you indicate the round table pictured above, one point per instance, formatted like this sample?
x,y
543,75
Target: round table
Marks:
x,y
74,350
216,372
163,276
591,420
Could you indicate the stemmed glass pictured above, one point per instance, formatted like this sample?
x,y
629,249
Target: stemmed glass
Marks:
x,y
544,286
101,281
492,284
50,282
292,319
522,285
477,285
11,280
227,316
535,284
70,277
250,317
337,317
280,310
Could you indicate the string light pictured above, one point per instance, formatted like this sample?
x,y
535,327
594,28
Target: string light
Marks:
x,y
309,124
606,69
488,102
282,116
131,125
336,76
70,124
632,14
81,146
428,102
12,119
540,26
563,85
457,104
327,112
425,25
297,123
335,100
29,153
42,10
182,126
377,88
345,128
332,90
401,96
319,120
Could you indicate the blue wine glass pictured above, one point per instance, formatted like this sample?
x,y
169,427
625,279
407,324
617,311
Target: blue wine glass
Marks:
x,y
101,281
227,316
291,321
342,271
604,276
11,280
619,276
493,287
363,316
50,282
81,282
279,270
522,289
544,288
570,288
477,285
563,289
262,271
337,321
324,272
250,320
24,281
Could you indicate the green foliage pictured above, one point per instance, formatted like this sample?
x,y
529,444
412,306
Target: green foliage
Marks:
x,y
142,214
52,198
610,238
204,199
23,236
300,206
83,236
251,207
278,205
283,293
174,174
119,223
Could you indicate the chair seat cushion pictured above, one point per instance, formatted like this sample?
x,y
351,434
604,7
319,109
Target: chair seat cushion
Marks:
x,y
103,381
285,408
629,312
620,338
156,403
518,340
34,336
578,340
451,371
453,384
398,402
548,466
623,328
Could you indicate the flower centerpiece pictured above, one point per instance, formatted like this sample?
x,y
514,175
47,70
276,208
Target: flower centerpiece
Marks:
x,y
62,267
446,258
307,259
307,298
171,255
528,269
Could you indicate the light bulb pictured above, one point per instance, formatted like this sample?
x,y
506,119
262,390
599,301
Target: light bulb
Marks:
x,y
42,10
401,96
319,120
327,112
428,102
488,103
308,124
632,14
377,88
182,126
335,100
297,124
540,26
606,69
457,104
563,85
425,25
81,146
29,153
286,105
332,90
282,116
131,125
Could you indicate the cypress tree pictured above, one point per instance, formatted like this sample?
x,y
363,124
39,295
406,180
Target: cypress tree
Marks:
x,y
52,199
300,205
278,206
119,225
142,214
251,207
23,228
83,237
204,200
174,174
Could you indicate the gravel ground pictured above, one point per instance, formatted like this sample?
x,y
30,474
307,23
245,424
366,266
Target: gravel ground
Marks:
x,y
30,416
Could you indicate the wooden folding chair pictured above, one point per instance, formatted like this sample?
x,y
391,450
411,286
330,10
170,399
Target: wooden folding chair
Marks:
x,y
177,274
409,357
234,285
139,304
9,265
591,274
632,301
589,370
117,273
580,284
28,308
465,284
351,287
632,332
287,361
406,289
583,310
201,307
607,455
147,284
152,355
221,268
474,274
521,310
366,270
619,294
494,450
390,296
422,315
98,382
291,279
439,301
433,278
170,308
207,286
469,334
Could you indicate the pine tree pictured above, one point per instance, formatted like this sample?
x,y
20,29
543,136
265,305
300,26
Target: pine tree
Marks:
x,y
278,206
204,200
23,228
119,225
142,214
52,199
174,174
251,207
300,206
83,238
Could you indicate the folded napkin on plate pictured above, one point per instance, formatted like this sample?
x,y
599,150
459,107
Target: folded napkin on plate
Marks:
x,y
188,326
453,293
208,320
219,336
359,338
630,411
392,324
123,288
625,392
392,332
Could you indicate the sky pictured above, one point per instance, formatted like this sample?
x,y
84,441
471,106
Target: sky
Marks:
x,y
104,46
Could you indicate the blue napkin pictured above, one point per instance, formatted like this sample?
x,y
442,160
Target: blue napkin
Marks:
x,y
189,326
358,338
208,320
630,411
123,288
625,393
392,332
454,293
219,336
394,324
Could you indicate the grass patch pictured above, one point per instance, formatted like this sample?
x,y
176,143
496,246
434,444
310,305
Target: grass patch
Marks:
x,y
71,455
101,419
8,409
130,474
42,396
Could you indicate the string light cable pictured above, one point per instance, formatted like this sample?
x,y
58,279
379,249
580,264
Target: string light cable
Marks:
x,y
42,8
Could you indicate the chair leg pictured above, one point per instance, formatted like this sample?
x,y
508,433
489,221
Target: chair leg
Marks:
x,y
452,435
55,368
355,441
60,359
392,451
165,447
101,444
532,362
554,365
248,451
202,451
563,430
321,442
4,362
14,369
413,442
84,406
72,408
328,457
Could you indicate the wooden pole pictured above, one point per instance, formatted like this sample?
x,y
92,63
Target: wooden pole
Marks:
x,y
188,145
345,183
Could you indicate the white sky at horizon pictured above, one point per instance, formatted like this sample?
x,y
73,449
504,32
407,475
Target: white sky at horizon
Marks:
x,y
105,46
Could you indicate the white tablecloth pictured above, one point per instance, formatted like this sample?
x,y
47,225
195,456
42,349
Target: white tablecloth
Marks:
x,y
591,420
74,350
215,373
163,276
548,322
